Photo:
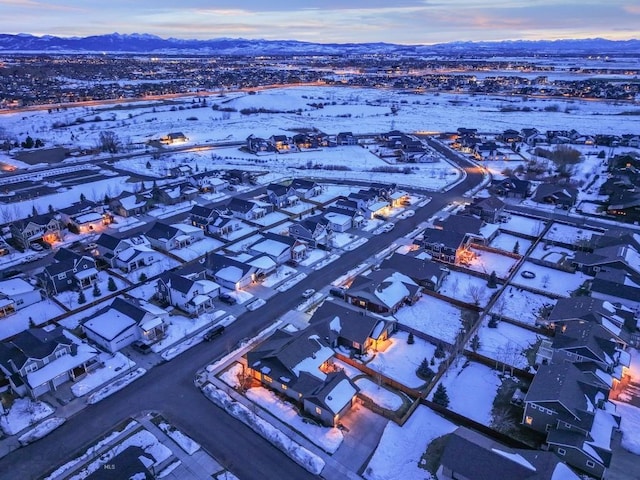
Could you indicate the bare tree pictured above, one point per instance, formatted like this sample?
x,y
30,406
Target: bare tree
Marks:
x,y
475,293
545,280
109,142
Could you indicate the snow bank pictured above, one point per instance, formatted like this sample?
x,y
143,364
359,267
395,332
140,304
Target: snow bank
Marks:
x,y
303,457
23,413
186,443
630,426
42,430
115,386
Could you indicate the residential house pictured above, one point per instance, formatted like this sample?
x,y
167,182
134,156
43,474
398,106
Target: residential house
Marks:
x,y
109,247
246,209
130,204
208,182
572,408
444,245
280,248
16,294
38,228
346,138
621,257
39,360
174,137
281,195
305,188
169,237
193,296
363,198
471,456
84,216
69,271
616,286
311,230
560,195
282,143
425,273
382,291
299,365
511,187
341,220
509,136
229,272
173,194
489,209
124,322
625,205
260,146
135,257
342,325
210,220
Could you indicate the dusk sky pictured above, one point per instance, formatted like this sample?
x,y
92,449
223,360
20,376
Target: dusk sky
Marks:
x,y
394,21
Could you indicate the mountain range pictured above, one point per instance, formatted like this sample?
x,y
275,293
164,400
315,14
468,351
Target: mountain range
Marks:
x,y
145,43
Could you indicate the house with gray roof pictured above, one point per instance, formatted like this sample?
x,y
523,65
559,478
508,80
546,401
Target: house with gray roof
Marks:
x,y
300,366
246,209
383,291
561,195
39,360
169,237
69,271
511,187
282,196
208,182
312,230
193,296
445,245
305,188
131,204
489,209
39,228
426,273
229,272
617,286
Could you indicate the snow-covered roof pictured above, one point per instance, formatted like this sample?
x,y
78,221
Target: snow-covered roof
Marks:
x,y
312,363
109,324
184,228
86,273
270,247
337,218
263,262
395,289
15,286
200,299
61,365
335,325
377,206
340,395
207,286
151,324
130,202
88,218
230,273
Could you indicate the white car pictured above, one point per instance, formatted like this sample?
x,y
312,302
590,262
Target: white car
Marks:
x,y
410,213
388,227
308,292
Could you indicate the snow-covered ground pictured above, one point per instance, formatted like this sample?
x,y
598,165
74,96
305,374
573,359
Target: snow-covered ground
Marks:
x,y
506,343
198,249
630,426
551,253
186,443
487,262
569,234
114,365
549,279
116,386
329,439
181,327
466,288
464,377
70,298
39,312
507,242
282,273
523,225
400,360
23,413
400,449
41,430
380,395
521,305
432,316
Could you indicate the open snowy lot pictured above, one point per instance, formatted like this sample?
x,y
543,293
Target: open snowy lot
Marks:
x,y
569,234
401,448
39,312
523,225
380,395
522,305
432,316
549,279
400,360
466,288
551,253
506,343
507,242
487,262
464,377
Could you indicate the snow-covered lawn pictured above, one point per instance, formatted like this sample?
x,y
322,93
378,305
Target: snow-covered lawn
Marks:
x,y
18,322
41,430
401,448
432,316
282,273
152,270
551,253
186,443
507,242
487,262
181,327
630,426
314,256
197,249
329,439
524,225
70,298
113,366
521,305
506,343
549,279
271,219
342,239
466,288
23,413
569,234
400,360
380,395
464,377
116,386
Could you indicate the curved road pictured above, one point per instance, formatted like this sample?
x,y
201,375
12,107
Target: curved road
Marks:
x,y
169,388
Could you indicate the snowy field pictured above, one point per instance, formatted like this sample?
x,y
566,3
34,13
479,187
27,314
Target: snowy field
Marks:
x,y
507,242
551,253
400,360
569,234
487,262
630,426
506,343
378,394
466,288
400,449
521,305
523,225
432,316
549,279
114,365
39,312
464,377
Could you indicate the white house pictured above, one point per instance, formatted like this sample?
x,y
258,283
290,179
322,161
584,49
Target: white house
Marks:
x,y
193,296
135,257
16,293
338,222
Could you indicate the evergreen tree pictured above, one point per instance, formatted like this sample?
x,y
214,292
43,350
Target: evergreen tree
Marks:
x,y
143,277
34,211
111,285
28,143
32,324
433,360
475,343
81,298
51,210
410,339
82,197
96,290
441,397
148,165
440,353
424,371
107,199
516,248
493,280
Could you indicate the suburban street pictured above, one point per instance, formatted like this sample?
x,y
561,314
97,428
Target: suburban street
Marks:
x,y
169,388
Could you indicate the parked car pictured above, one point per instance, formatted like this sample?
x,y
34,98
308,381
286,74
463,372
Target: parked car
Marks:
x,y
228,299
141,347
91,246
213,333
36,247
337,292
308,292
388,227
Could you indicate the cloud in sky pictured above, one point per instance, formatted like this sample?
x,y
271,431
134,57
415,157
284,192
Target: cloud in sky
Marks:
x,y
401,21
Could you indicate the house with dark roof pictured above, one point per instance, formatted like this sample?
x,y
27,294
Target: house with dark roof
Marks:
x,y
571,406
561,195
169,237
246,209
208,182
229,272
470,226
280,248
123,322
615,285
127,254
260,146
39,360
445,245
210,220
38,228
69,271
131,204
489,209
174,137
346,138
173,194
305,188
425,273
383,291
84,216
625,205
511,187
312,230
621,257
281,142
282,195
471,456
342,325
300,366
193,296
182,170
